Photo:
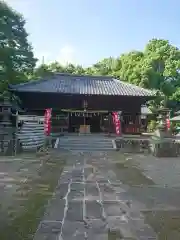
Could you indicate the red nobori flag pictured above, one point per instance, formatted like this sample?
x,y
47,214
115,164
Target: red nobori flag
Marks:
x,y
168,123
47,121
117,123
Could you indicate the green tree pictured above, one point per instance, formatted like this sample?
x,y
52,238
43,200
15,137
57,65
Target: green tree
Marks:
x,y
106,66
157,67
56,67
16,55
42,71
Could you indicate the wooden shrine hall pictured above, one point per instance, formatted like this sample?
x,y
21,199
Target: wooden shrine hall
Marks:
x,y
84,101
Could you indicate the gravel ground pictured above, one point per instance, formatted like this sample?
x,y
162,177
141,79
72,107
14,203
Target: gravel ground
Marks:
x,y
161,200
163,171
26,184
98,195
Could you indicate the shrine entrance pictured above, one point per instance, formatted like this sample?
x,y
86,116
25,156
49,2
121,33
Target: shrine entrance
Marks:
x,y
92,121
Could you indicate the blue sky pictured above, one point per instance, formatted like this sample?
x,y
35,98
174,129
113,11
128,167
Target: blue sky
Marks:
x,y
86,31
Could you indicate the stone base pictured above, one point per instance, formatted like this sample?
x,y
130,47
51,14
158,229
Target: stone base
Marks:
x,y
131,145
165,149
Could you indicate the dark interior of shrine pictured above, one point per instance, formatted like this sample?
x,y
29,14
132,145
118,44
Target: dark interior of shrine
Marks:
x,y
92,121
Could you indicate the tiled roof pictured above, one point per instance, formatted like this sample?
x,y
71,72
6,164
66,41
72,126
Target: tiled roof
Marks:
x,y
87,85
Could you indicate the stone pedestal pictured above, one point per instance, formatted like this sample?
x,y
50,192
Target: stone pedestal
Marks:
x,y
163,144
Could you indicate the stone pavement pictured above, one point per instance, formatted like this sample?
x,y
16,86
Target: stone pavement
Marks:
x,y
87,203
163,171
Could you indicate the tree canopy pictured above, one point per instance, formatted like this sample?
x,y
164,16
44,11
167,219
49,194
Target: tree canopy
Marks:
x,y
156,67
16,55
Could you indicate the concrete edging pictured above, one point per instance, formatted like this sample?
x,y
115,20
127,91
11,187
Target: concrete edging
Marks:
x,y
114,144
56,142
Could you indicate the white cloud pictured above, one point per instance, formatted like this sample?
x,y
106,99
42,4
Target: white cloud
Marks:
x,y
65,56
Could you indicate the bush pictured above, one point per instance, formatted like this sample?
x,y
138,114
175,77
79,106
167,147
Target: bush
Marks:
x,y
152,126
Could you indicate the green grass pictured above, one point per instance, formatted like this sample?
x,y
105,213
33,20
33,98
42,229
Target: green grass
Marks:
x,y
130,175
114,235
21,225
166,224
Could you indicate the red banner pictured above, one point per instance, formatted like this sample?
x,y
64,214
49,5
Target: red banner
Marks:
x,y
168,123
47,121
117,123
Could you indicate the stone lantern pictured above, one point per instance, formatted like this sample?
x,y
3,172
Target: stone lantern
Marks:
x,y
6,130
5,113
163,113
162,142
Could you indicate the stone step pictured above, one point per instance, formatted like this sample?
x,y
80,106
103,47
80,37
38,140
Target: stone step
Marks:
x,y
85,143
86,149
85,139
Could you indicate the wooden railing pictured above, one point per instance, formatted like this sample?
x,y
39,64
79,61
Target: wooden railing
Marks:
x,y
132,124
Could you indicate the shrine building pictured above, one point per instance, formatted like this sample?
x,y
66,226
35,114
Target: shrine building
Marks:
x,y
84,100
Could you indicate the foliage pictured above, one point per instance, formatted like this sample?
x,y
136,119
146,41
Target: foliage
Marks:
x,y
16,55
152,125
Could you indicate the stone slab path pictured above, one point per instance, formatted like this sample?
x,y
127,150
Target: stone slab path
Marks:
x,y
87,204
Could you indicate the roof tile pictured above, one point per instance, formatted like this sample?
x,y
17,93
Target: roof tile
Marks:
x,y
89,85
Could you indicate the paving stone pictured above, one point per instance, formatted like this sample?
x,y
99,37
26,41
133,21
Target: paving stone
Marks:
x,y
106,188
55,210
103,236
145,231
149,238
65,177
123,216
96,226
117,187
93,210
77,175
114,222
92,190
136,215
123,195
50,227
107,192
75,195
120,207
73,230
77,186
112,208
61,190
87,172
75,211
77,191
75,237
46,236
108,196
103,181
126,231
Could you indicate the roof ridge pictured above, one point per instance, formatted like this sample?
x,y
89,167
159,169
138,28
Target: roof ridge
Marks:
x,y
33,81
84,75
55,75
133,85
